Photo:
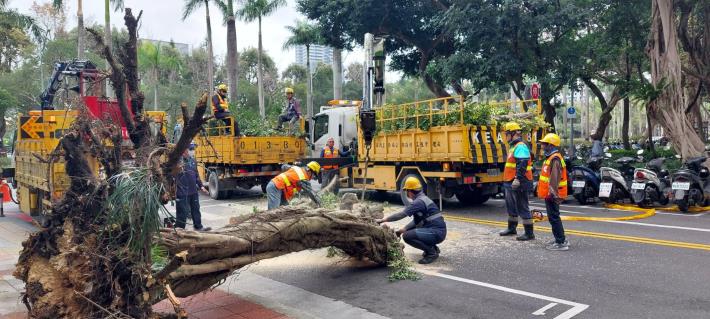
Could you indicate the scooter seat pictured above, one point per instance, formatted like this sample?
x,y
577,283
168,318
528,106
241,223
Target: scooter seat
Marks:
x,y
625,160
697,160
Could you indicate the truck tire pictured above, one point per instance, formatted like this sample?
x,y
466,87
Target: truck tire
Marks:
x,y
468,197
403,194
214,187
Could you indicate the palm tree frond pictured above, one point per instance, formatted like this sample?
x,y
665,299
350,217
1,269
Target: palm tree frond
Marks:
x,y
190,7
118,5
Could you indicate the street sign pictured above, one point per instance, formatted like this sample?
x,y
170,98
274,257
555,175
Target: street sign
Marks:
x,y
571,112
535,91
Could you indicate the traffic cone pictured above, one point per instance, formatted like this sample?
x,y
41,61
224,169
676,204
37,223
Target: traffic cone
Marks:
x,y
5,189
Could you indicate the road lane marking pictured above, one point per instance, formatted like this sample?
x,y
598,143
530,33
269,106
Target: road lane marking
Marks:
x,y
565,211
658,225
640,240
576,309
541,311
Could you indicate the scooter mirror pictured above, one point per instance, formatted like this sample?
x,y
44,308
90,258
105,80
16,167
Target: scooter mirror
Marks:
x,y
639,152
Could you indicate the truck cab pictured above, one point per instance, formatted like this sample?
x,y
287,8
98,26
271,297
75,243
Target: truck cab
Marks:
x,y
337,120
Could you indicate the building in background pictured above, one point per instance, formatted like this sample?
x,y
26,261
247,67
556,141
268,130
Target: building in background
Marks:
x,y
183,48
319,54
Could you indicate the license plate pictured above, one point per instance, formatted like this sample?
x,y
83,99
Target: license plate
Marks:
x,y
578,184
638,186
681,185
605,189
493,172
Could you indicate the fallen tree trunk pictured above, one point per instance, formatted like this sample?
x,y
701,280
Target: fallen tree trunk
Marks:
x,y
213,256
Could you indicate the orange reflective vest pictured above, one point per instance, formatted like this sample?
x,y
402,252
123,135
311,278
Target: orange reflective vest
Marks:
x,y
543,185
327,153
222,103
509,170
288,181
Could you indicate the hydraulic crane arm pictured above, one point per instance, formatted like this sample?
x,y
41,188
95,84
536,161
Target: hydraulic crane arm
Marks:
x,y
61,70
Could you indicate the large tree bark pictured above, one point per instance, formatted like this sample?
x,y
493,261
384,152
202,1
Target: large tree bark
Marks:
x,y
232,53
79,30
337,74
625,124
669,108
696,45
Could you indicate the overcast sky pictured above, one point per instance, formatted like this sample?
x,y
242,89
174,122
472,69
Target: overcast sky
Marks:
x,y
161,20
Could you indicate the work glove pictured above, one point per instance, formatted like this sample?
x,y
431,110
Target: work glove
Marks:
x,y
515,185
399,232
379,221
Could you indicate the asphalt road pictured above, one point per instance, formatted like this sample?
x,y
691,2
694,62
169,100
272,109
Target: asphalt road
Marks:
x,y
657,267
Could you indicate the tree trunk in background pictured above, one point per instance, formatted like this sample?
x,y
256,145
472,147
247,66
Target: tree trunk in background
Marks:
x,y
309,83
3,128
260,77
649,130
232,53
669,108
625,124
107,38
607,107
80,31
210,54
337,74
588,129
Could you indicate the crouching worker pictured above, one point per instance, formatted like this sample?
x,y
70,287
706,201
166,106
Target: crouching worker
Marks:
x,y
428,227
281,188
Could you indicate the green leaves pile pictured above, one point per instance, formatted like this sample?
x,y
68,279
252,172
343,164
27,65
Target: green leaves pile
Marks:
x,y
398,118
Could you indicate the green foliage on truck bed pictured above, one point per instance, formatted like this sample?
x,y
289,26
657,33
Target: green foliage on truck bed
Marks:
x,y
397,118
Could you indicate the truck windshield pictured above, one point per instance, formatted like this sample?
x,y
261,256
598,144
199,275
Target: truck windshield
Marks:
x,y
320,126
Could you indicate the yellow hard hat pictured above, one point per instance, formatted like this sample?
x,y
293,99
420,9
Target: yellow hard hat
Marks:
x,y
314,166
288,90
551,138
412,183
512,126
222,87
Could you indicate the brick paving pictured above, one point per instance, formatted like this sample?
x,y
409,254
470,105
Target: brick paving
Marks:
x,y
214,304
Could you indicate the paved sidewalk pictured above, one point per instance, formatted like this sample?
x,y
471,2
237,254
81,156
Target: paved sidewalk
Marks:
x,y
16,226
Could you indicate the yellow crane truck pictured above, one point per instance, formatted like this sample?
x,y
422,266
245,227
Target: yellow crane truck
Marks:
x,y
38,179
450,159
228,162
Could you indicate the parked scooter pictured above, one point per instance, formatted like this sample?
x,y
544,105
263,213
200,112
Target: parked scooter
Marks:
x,y
615,185
584,180
651,184
691,185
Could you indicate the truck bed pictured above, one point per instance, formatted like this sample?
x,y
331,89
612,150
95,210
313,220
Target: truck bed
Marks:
x,y
230,150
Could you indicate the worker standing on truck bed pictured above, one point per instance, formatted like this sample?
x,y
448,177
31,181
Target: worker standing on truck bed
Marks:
x,y
517,182
552,187
428,227
281,188
292,112
329,172
220,109
187,198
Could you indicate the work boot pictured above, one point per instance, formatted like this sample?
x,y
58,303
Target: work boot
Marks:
x,y
429,258
529,235
435,248
203,229
510,230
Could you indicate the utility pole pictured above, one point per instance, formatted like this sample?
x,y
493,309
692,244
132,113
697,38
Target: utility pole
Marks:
x,y
571,124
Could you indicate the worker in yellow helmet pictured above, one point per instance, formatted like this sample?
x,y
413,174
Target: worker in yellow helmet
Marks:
x,y
427,229
292,112
552,187
220,110
283,187
517,182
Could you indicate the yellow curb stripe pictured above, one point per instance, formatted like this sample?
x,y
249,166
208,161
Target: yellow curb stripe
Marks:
x,y
640,240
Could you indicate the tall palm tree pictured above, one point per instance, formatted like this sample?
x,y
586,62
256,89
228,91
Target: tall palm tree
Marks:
x,y
337,73
190,7
305,34
79,26
255,10
152,59
117,5
227,8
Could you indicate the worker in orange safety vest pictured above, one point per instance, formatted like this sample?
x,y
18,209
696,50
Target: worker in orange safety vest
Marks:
x,y
284,186
517,182
552,187
330,172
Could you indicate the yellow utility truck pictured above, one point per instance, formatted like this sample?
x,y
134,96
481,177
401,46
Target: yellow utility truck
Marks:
x,y
453,159
39,176
429,140
228,162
